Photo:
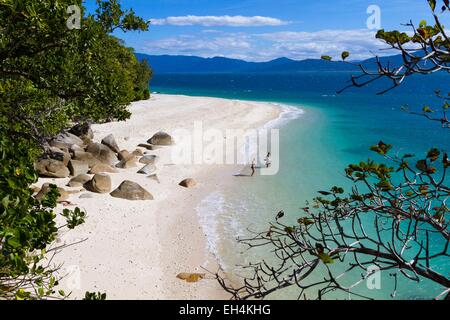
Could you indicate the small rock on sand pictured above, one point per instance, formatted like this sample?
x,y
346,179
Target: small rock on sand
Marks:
x,y
161,139
131,191
188,183
148,169
148,159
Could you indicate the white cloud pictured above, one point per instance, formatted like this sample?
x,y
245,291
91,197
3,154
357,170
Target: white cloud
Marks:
x,y
213,21
301,45
267,46
211,31
225,45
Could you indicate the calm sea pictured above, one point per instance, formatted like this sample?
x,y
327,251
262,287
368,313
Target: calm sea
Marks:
x,y
316,144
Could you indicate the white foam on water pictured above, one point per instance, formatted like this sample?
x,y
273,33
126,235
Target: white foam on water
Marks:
x,y
221,223
209,211
287,114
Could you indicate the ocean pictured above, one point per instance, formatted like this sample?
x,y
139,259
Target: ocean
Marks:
x,y
320,134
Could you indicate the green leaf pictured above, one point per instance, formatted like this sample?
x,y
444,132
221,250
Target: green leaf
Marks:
x,y
427,109
289,230
325,258
345,55
446,160
326,58
280,215
433,154
305,221
337,190
422,165
13,242
21,294
381,148
432,4
385,185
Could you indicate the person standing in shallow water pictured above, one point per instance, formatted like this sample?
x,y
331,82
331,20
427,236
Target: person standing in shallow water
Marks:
x,y
253,167
267,160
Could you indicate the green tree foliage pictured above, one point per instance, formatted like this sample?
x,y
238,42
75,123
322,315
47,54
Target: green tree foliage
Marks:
x,y
54,75
95,296
50,77
395,217
143,73
27,226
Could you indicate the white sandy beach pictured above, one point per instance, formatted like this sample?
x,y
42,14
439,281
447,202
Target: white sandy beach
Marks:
x,y
135,249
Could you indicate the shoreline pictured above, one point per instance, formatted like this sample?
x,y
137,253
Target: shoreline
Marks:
x,y
134,250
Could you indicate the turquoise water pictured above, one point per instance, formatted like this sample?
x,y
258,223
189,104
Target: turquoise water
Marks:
x,y
333,131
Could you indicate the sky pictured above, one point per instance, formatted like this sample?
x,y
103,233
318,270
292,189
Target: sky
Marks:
x,y
263,30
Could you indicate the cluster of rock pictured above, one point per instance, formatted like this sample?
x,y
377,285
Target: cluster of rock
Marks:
x,y
74,153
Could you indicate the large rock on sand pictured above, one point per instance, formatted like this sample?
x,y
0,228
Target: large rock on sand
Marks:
x,y
86,157
103,153
75,148
131,191
188,183
79,181
161,139
52,168
63,194
66,140
82,131
111,143
78,167
102,168
100,183
60,154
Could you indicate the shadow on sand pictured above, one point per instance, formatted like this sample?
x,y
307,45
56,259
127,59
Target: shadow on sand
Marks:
x,y
244,174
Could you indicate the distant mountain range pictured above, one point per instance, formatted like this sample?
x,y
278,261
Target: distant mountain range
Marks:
x,y
191,64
